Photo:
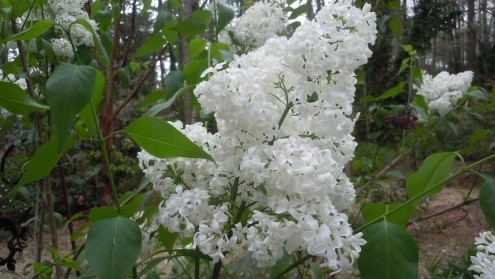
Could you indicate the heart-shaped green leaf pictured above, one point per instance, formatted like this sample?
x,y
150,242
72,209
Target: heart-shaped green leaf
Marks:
x,y
390,253
112,247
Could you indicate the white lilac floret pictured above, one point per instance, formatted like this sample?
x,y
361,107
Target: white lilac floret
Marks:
x,y
284,119
484,262
65,13
265,19
442,92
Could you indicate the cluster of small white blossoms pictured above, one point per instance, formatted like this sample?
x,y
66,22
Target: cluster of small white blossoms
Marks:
x,y
265,19
484,261
284,124
443,91
65,13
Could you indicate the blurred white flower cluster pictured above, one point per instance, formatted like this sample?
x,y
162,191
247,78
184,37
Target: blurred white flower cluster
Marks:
x,y
443,91
484,261
284,124
265,19
65,13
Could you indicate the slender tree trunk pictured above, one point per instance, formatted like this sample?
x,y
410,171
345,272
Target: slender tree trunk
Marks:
x,y
471,36
187,110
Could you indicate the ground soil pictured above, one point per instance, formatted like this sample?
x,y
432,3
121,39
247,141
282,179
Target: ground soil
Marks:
x,y
446,238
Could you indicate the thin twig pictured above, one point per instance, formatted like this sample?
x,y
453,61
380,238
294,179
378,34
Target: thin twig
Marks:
x,y
131,34
443,211
138,85
384,170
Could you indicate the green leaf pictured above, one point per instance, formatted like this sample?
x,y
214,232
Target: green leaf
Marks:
x,y
34,31
112,247
477,94
167,238
162,19
194,69
299,11
41,164
487,200
150,265
282,264
196,46
396,26
156,109
163,140
151,45
146,6
194,25
14,99
372,211
434,169
421,108
216,50
96,39
390,253
174,81
193,253
101,213
177,4
169,31
410,50
43,270
152,98
86,114
15,8
68,90
225,15
393,5
392,92
404,65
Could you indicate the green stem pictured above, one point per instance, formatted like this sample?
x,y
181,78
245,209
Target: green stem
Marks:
x,y
458,173
284,114
292,266
234,189
134,272
104,153
196,266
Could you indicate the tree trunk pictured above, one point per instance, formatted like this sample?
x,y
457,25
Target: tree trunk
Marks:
x,y
471,36
187,110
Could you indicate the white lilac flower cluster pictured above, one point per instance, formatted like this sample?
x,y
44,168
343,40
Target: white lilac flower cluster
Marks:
x,y
265,19
443,91
484,261
65,13
284,124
